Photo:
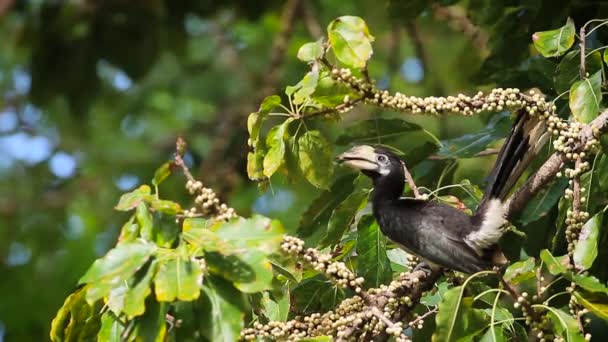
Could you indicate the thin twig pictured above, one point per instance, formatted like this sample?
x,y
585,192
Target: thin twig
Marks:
x,y
410,181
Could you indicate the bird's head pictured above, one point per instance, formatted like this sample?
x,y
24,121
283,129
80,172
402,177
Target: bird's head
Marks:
x,y
375,162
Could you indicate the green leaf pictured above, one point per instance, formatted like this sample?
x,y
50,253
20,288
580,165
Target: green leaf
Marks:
x,y
256,119
74,319
178,278
350,40
318,339
276,310
145,221
162,173
262,272
315,156
116,267
520,271
469,145
208,240
555,42
275,142
543,202
132,199
317,215
457,318
129,231
311,51
432,299
598,304
568,70
343,216
586,98
111,328
255,164
152,326
306,87
585,250
164,206
555,265
222,311
565,325
372,262
589,283
256,233
135,298
494,334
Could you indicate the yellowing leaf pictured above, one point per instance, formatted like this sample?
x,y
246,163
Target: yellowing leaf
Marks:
x,y
586,97
310,51
132,199
555,42
351,40
275,142
178,278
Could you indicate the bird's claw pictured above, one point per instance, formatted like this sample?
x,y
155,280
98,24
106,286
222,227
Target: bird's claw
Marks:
x,y
423,266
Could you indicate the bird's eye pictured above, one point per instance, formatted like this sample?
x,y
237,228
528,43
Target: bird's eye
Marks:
x,y
382,158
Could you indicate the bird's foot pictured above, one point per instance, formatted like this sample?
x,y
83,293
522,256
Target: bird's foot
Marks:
x,y
425,267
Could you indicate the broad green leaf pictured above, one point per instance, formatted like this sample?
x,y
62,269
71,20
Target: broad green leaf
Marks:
x,y
275,142
258,233
162,173
255,164
164,206
372,262
222,311
311,51
589,283
469,145
256,119
136,296
132,199
129,231
276,310
178,278
555,265
116,298
145,221
262,272
315,156
196,223
317,215
598,304
585,250
568,70
457,318
350,40
432,299
543,202
520,271
555,42
565,325
586,98
230,267
152,326
116,267
208,240
494,334
318,339
343,216
306,87
287,267
111,328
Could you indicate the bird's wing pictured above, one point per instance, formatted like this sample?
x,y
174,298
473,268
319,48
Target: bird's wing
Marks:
x,y
436,232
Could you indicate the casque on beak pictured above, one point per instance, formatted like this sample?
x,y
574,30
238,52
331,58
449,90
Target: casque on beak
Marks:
x,y
361,157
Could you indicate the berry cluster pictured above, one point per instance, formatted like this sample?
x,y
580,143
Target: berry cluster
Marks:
x,y
207,203
497,100
375,312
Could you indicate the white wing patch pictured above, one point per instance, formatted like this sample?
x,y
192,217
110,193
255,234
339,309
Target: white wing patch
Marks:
x,y
490,231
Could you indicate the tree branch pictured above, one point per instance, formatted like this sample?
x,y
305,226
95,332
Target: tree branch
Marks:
x,y
548,171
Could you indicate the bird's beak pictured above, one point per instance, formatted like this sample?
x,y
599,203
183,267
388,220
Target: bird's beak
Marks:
x,y
361,157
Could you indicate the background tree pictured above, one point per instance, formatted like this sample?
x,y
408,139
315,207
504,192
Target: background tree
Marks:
x,y
96,92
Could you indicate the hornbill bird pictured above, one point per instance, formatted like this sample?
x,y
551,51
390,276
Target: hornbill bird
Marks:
x,y
441,235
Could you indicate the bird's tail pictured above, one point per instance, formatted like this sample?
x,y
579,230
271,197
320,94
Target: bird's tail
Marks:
x,y
527,137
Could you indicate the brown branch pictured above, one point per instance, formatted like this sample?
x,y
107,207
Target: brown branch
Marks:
x,y
582,70
548,171
457,19
410,181
310,20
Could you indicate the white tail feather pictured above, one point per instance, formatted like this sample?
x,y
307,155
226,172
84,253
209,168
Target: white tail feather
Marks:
x,y
490,230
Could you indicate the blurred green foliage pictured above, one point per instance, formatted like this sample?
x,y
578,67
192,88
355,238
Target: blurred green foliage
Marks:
x,y
94,93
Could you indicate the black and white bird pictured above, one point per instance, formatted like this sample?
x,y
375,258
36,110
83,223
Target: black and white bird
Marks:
x,y
441,235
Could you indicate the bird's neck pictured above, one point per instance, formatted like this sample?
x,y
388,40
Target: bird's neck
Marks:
x,y
387,189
